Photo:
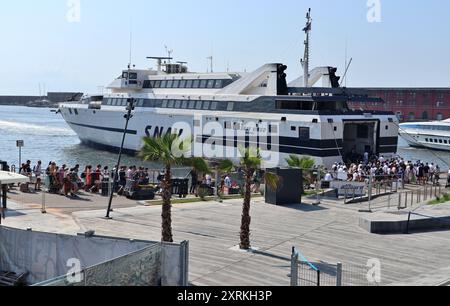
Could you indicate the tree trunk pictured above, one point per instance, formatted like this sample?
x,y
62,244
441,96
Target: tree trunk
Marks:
x,y
167,235
246,219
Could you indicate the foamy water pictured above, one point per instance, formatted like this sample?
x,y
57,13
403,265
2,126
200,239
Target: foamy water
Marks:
x,y
34,129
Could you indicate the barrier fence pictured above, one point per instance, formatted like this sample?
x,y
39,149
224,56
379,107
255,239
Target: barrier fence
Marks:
x,y
307,274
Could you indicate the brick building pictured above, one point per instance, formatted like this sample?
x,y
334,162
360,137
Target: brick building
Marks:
x,y
411,104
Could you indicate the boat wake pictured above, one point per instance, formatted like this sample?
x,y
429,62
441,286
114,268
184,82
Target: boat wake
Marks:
x,y
34,129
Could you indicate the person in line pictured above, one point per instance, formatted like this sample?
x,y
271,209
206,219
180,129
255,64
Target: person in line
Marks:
x,y
37,171
194,181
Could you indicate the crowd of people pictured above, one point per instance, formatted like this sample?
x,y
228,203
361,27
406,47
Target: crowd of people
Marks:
x,y
381,169
69,181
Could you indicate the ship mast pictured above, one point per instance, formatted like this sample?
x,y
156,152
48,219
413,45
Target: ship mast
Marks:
x,y
305,60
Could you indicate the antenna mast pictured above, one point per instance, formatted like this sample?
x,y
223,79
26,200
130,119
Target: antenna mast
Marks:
x,y
169,53
305,60
211,59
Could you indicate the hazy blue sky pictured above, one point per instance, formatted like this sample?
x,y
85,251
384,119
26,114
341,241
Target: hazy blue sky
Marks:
x,y
409,47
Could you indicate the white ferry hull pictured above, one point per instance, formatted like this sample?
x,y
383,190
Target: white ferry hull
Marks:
x,y
104,129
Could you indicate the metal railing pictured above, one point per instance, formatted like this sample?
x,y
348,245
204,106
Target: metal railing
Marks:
x,y
307,274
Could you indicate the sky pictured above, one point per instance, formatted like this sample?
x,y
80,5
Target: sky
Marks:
x,y
44,42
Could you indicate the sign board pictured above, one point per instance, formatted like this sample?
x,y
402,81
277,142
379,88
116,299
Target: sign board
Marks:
x,y
349,188
20,143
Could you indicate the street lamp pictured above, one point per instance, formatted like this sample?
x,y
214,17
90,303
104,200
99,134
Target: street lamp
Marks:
x,y
128,116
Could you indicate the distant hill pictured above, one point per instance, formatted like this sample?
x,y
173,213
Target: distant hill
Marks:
x,y
52,96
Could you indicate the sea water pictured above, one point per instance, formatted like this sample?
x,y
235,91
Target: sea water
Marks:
x,y
48,138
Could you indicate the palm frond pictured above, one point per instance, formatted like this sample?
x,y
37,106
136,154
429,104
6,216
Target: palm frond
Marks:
x,y
226,165
272,180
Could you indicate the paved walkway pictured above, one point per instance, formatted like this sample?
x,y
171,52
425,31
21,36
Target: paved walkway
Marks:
x,y
326,233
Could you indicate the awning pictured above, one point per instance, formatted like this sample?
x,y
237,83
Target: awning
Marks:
x,y
7,178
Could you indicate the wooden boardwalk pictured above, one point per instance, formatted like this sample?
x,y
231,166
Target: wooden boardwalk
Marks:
x,y
326,233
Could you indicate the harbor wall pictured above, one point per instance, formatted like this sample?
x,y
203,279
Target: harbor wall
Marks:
x,y
51,96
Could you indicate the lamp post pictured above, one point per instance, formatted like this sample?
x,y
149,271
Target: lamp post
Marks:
x,y
128,116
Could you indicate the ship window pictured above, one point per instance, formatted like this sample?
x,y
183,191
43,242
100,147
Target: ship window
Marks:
x,y
152,84
182,83
125,75
157,84
203,83
426,139
133,76
169,84
440,140
177,104
196,84
124,102
70,111
192,104
189,83
199,105
164,103
140,103
227,125
163,84
446,141
218,84
76,111
214,105
230,106
206,105
210,84
171,103
295,105
304,133
176,84
185,104
293,128
436,141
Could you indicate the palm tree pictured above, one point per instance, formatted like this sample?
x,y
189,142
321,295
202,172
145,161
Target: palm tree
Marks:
x,y
250,162
171,151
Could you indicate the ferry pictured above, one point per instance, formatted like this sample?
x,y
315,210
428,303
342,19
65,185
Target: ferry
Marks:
x,y
431,135
222,112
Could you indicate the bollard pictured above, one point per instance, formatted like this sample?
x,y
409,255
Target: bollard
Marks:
x,y
406,200
412,199
318,278
389,201
399,201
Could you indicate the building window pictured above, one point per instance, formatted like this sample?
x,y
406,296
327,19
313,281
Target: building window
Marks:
x,y
425,116
411,116
439,117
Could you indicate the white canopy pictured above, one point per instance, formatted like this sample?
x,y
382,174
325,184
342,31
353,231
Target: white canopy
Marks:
x,y
7,178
